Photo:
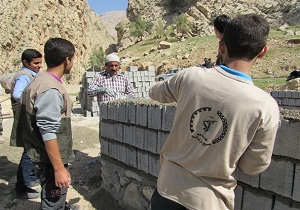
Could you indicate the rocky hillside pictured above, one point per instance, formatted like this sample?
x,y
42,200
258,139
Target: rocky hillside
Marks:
x,y
111,19
202,13
29,23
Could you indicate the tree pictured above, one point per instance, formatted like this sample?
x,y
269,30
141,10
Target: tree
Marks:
x,y
138,28
159,27
96,59
182,25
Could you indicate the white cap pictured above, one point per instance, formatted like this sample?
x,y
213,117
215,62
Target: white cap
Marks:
x,y
112,57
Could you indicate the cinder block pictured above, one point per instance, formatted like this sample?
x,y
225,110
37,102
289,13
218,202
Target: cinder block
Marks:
x,y
141,115
143,161
105,129
95,109
89,74
122,156
121,113
113,150
119,132
112,111
111,133
284,205
286,144
254,200
238,200
281,94
130,113
162,138
288,94
250,180
103,111
296,191
154,165
278,178
295,94
297,102
104,147
168,113
128,134
87,113
275,93
154,117
285,101
95,114
132,68
292,102
131,154
151,68
139,136
150,142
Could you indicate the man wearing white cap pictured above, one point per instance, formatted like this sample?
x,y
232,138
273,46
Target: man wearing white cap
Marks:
x,y
109,85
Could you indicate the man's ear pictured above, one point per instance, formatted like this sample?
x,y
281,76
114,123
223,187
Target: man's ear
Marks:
x,y
263,51
25,63
67,60
222,47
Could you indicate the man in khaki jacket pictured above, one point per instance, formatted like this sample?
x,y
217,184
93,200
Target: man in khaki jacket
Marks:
x,y
222,122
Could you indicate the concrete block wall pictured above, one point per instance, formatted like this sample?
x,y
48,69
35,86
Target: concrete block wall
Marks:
x,y
135,133
287,99
140,80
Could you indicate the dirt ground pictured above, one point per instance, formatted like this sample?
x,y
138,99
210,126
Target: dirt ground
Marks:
x,y
85,192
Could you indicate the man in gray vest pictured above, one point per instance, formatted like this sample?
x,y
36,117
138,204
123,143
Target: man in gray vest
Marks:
x,y
43,124
26,179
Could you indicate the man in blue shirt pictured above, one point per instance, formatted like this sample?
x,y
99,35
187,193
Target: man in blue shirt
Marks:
x,y
26,178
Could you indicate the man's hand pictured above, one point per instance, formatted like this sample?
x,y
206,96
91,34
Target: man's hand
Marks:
x,y
62,178
109,91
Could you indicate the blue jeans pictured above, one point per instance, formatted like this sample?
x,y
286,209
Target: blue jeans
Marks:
x,y
25,173
158,202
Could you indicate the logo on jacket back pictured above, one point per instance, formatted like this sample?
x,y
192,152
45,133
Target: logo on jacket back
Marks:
x,y
208,126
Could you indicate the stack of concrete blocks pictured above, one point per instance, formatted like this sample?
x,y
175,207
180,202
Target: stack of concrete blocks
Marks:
x,y
141,80
287,99
133,134
88,104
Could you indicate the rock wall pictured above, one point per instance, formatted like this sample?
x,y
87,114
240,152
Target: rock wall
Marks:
x,y
133,132
202,13
30,23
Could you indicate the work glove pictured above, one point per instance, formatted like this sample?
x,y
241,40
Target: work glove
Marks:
x,y
109,91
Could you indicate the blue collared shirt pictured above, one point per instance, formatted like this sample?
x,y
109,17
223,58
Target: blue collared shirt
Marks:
x,y
236,73
21,83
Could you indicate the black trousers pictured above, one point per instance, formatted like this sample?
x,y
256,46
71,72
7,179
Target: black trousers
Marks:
x,y
52,197
158,202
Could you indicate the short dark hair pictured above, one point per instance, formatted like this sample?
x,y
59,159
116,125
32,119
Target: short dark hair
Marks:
x,y
30,54
220,22
57,50
245,36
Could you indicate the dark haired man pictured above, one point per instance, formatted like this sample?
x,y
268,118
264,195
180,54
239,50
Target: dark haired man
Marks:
x,y
26,179
219,25
222,122
43,124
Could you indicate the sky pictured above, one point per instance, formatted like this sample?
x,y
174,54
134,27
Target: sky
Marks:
x,y
103,6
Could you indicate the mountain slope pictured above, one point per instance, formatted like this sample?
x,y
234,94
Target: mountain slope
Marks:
x,y
30,23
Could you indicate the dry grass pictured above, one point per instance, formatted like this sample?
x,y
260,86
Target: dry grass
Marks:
x,y
281,59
